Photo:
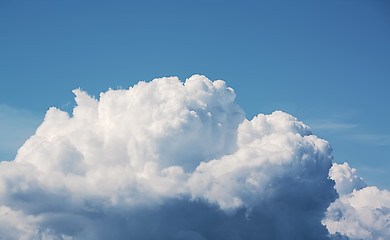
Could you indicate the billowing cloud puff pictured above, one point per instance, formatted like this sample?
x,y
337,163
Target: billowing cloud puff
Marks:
x,y
361,212
15,225
171,160
346,178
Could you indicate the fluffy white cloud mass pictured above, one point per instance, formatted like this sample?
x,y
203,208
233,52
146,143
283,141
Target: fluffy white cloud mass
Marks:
x,y
361,212
174,160
346,178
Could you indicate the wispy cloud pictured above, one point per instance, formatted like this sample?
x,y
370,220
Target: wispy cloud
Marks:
x,y
350,131
332,125
370,138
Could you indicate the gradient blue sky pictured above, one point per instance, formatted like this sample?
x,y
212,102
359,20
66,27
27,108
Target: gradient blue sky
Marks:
x,y
325,62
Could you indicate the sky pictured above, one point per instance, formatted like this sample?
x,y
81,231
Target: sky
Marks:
x,y
324,62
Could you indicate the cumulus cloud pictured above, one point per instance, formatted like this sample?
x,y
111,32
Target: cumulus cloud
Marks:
x,y
172,160
346,178
361,212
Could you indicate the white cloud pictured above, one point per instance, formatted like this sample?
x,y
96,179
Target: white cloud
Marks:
x,y
372,139
169,160
14,225
346,178
361,212
17,225
272,149
331,125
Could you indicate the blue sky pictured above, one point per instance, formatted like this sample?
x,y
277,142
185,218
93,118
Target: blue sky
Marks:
x,y
325,62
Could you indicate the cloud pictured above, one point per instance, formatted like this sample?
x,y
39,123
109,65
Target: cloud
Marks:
x,y
332,125
15,225
361,212
346,178
170,160
373,139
